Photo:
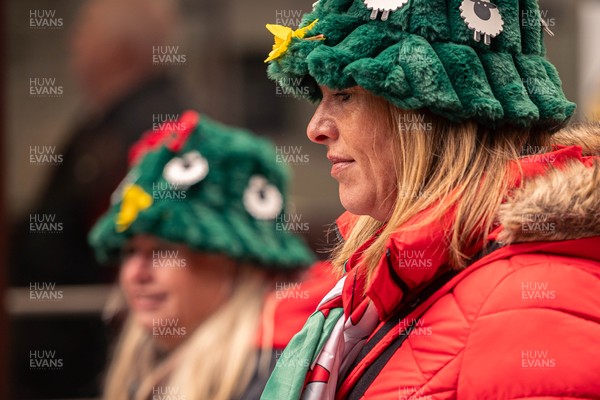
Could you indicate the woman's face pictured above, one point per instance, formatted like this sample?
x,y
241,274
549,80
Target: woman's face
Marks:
x,y
355,127
170,289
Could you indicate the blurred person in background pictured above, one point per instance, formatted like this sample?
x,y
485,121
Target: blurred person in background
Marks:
x,y
124,91
469,257
111,46
196,224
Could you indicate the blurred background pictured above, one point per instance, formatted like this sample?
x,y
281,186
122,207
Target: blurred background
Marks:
x,y
84,79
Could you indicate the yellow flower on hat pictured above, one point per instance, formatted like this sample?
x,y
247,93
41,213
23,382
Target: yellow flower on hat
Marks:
x,y
283,38
135,199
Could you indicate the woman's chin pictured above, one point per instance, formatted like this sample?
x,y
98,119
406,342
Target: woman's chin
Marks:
x,y
353,201
361,199
148,320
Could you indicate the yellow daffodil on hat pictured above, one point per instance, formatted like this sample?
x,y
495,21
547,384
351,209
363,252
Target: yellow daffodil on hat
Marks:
x,y
135,199
283,38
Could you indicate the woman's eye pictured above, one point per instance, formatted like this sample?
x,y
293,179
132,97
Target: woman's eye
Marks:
x,y
343,96
127,252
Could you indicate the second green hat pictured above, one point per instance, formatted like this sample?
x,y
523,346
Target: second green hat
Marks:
x,y
211,187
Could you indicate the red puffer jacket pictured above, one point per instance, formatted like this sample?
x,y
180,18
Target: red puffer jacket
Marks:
x,y
522,322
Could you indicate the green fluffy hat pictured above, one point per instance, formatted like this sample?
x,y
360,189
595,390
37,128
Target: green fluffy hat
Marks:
x,y
461,59
213,188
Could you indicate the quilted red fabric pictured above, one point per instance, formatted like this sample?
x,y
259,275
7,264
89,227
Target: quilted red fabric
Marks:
x,y
522,323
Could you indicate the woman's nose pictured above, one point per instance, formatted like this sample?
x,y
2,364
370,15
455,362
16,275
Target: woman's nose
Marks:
x,y
321,128
137,269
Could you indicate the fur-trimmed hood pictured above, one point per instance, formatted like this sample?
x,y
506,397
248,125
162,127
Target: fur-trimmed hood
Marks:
x,y
564,204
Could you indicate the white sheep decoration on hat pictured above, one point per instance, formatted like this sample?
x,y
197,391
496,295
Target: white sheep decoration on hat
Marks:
x,y
483,17
384,6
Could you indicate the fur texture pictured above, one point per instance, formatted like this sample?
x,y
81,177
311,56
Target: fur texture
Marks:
x,y
531,30
438,64
561,205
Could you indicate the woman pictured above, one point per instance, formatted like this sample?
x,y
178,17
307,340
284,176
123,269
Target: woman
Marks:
x,y
195,223
469,257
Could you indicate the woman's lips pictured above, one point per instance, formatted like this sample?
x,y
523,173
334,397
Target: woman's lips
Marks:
x,y
338,167
147,302
339,164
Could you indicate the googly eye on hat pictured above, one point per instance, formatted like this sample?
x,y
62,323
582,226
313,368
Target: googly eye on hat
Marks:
x,y
186,170
261,199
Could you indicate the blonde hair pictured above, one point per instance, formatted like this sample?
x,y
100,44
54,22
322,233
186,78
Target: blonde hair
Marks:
x,y
216,362
442,165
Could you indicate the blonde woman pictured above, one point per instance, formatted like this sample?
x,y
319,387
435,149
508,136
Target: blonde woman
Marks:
x,y
470,262
195,224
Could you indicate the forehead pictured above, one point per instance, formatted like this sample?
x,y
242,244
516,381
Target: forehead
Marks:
x,y
364,102
354,89
147,240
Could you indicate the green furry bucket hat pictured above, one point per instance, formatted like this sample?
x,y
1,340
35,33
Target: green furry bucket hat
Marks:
x,y
461,59
213,188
